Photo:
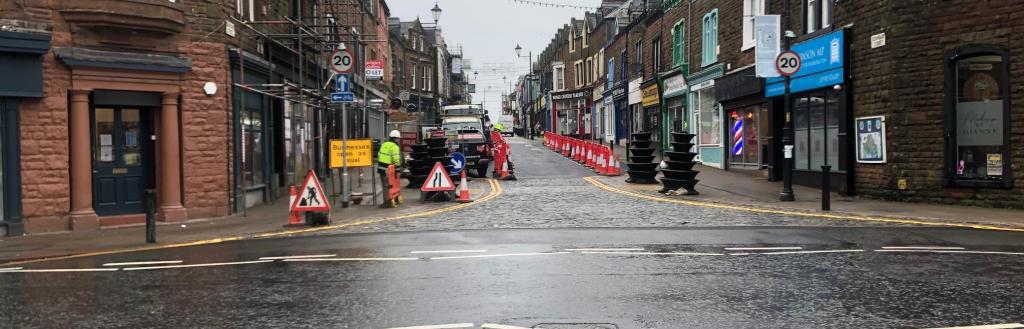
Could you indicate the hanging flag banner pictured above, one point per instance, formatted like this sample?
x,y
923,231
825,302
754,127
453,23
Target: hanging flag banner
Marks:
x,y
311,196
438,180
766,44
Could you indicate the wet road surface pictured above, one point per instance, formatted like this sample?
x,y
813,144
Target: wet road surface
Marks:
x,y
531,261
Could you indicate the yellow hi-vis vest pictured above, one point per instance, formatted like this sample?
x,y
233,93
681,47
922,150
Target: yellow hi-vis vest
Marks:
x,y
390,154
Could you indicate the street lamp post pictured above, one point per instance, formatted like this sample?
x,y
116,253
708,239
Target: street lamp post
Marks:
x,y
787,126
529,89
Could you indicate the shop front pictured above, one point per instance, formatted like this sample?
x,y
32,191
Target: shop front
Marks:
x,y
568,110
615,99
253,127
707,114
21,55
599,129
673,95
651,118
748,136
635,113
821,113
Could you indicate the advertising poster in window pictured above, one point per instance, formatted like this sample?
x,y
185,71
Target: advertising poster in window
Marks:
x,y
871,139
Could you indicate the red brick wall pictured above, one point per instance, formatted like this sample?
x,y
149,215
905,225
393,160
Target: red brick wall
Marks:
x,y
206,127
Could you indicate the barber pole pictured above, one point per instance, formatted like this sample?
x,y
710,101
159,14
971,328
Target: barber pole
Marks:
x,y
737,137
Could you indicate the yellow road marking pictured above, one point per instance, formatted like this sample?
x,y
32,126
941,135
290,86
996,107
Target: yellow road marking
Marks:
x,y
604,186
494,193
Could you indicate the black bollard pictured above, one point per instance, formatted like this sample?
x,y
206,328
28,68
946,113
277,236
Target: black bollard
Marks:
x,y
149,201
826,188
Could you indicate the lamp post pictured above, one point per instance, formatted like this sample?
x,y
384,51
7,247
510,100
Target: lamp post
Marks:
x,y
436,12
787,126
529,87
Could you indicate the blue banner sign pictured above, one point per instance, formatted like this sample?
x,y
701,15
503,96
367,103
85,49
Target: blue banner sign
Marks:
x,y
822,63
346,97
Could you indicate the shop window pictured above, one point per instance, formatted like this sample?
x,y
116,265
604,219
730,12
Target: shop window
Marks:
x,y
816,131
977,118
252,148
708,117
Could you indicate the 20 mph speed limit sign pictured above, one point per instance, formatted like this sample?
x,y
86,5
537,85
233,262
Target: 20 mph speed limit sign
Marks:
x,y
788,63
340,61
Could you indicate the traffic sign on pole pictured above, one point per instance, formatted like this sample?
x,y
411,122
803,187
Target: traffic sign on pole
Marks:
x,y
458,162
341,82
340,61
788,63
345,97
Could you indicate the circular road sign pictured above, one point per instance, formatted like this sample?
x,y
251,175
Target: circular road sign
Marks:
x,y
458,162
788,63
340,61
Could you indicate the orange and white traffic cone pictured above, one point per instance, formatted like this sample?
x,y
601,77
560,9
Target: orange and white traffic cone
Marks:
x,y
293,216
464,189
599,164
590,155
613,164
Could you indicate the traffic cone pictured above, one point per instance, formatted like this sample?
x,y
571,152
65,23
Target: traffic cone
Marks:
x,y
565,148
293,216
590,155
613,164
464,189
599,162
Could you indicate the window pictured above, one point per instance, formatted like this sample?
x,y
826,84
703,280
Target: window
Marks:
x,y
708,117
425,73
252,145
978,118
572,39
579,73
600,60
751,8
625,62
816,131
656,55
586,31
678,42
709,41
611,73
590,71
413,74
559,72
639,49
819,14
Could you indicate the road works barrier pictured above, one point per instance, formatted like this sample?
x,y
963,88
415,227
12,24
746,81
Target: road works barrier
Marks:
x,y
593,155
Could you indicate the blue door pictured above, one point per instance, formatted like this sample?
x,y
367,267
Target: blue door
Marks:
x,y
121,166
621,121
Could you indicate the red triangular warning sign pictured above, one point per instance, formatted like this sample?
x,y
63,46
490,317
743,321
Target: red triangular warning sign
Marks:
x,y
311,196
438,180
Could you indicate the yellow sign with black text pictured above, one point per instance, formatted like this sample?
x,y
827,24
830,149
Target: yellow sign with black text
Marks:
x,y
360,153
650,96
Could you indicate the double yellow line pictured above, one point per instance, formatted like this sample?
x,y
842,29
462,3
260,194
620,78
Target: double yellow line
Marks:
x,y
604,186
492,194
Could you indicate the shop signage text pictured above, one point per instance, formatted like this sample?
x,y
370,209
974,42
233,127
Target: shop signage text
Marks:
x,y
674,86
823,63
359,153
650,95
571,95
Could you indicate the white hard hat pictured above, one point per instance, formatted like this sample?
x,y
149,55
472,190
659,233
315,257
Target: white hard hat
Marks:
x,y
395,134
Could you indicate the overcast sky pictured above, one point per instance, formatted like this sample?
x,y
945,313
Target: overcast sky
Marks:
x,y
488,31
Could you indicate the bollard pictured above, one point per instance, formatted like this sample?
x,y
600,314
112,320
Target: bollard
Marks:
x,y
149,202
826,188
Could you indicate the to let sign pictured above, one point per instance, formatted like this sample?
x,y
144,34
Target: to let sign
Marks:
x,y
374,70
359,153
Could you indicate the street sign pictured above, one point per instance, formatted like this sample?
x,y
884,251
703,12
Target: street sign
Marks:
x,y
438,180
788,63
359,153
766,45
374,70
311,196
345,97
340,61
458,162
341,82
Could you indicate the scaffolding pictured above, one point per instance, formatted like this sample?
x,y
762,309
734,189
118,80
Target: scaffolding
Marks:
x,y
307,36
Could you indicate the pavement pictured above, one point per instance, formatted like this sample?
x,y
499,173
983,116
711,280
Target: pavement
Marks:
x,y
751,188
555,249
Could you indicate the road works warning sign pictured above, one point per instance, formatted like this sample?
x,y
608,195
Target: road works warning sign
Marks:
x,y
438,180
311,196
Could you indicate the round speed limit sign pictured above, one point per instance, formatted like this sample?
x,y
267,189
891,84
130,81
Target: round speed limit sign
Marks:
x,y
788,63
340,61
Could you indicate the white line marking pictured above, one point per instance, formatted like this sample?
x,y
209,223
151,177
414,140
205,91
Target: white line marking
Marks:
x,y
810,252
195,265
445,251
499,326
439,326
956,252
501,255
9,269
56,270
762,248
654,253
348,259
606,249
740,254
144,263
924,248
989,326
297,257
